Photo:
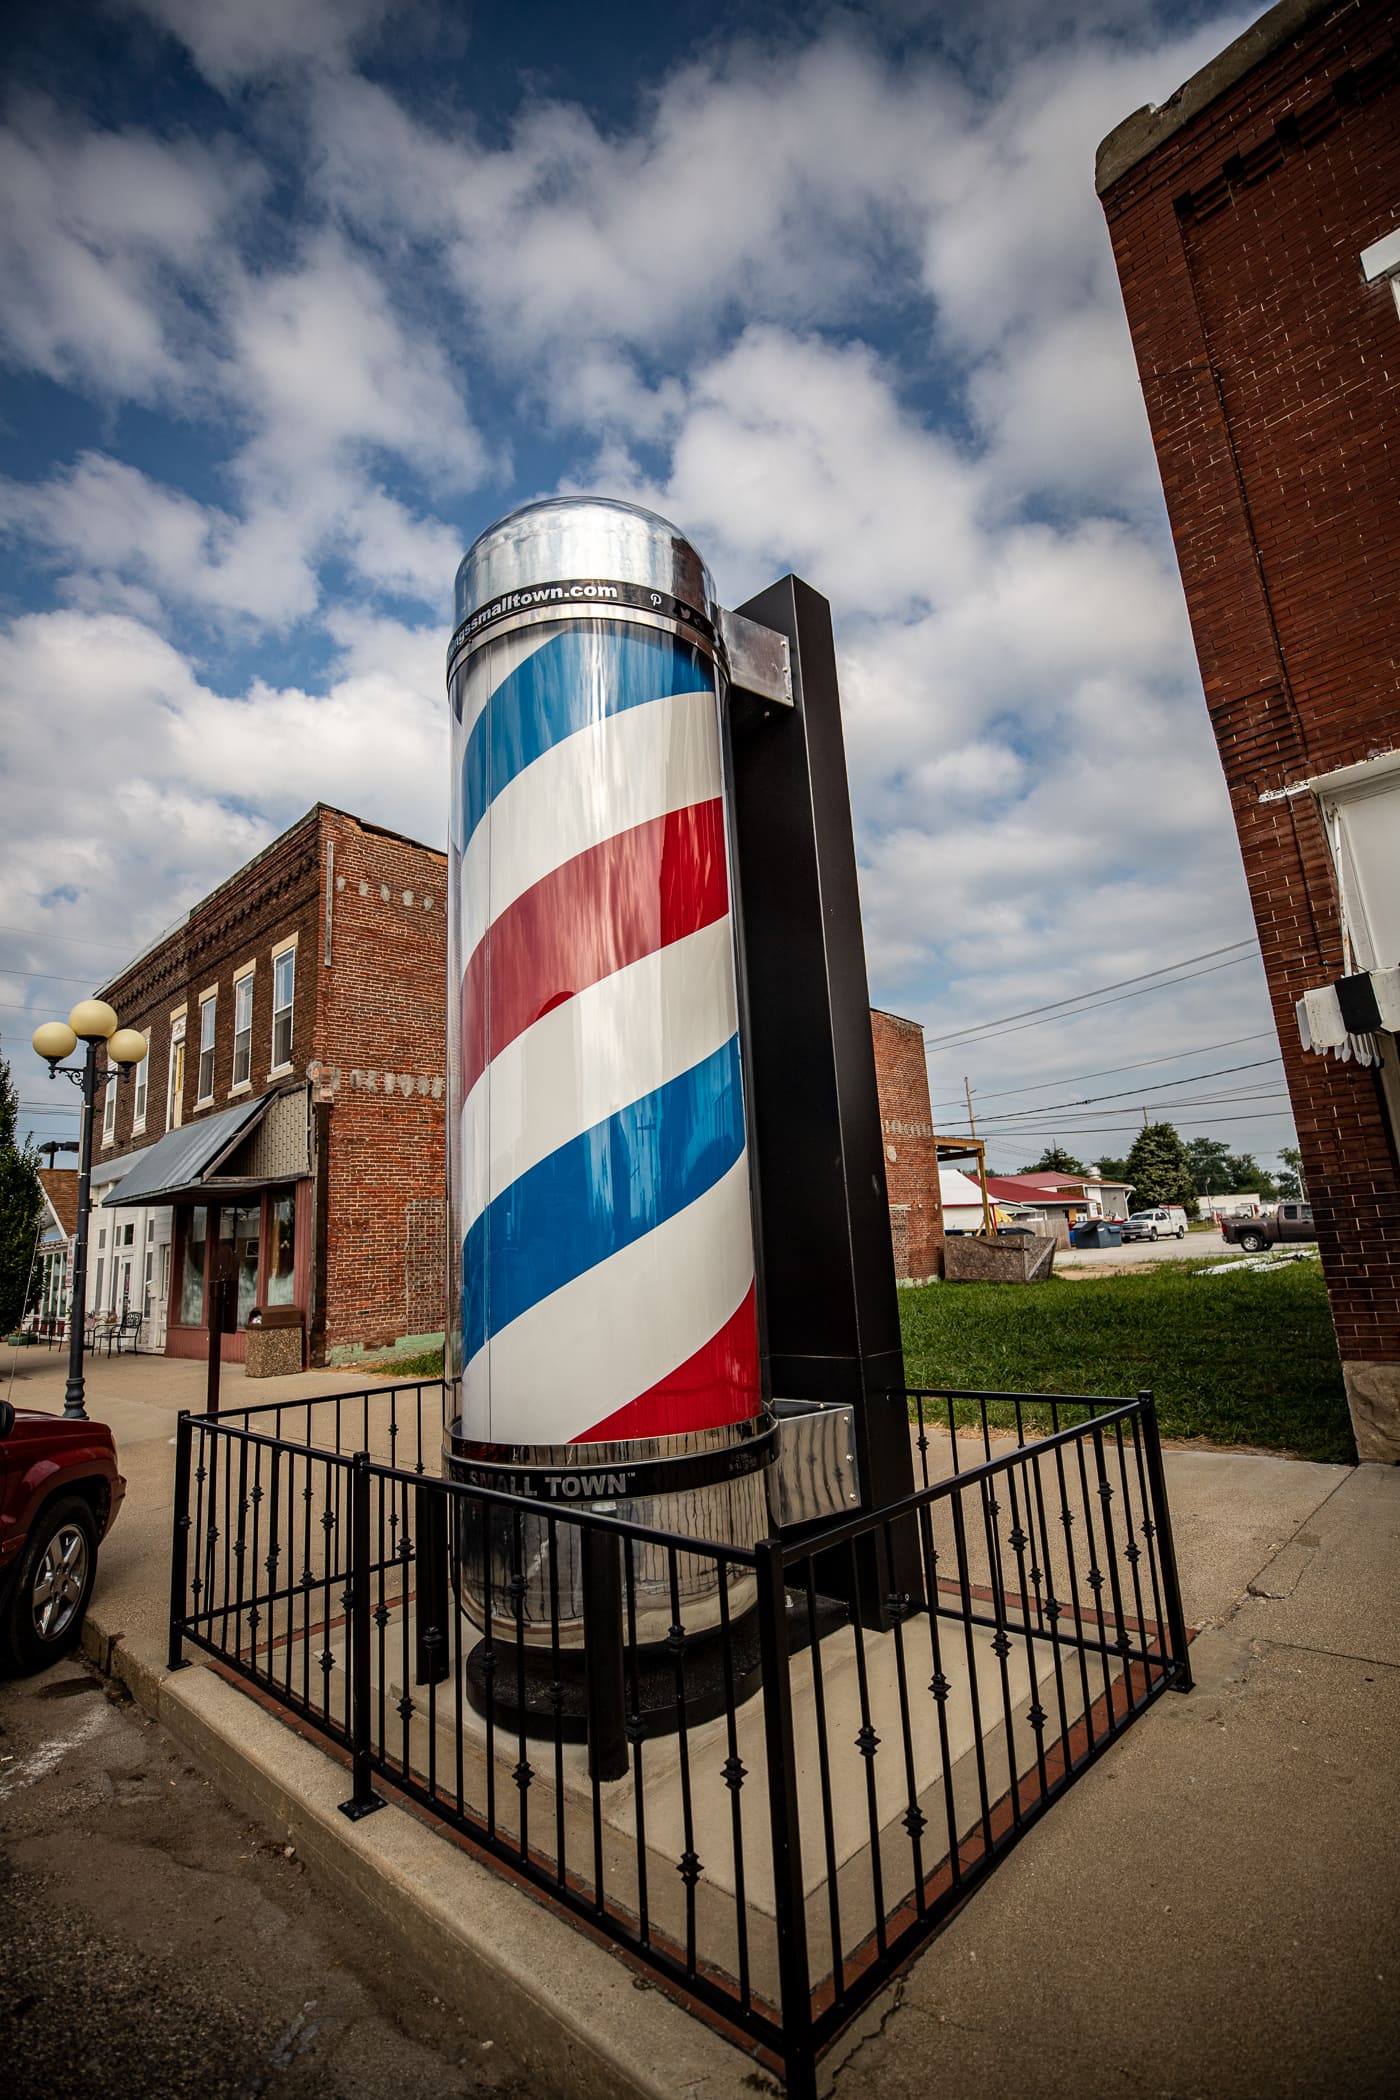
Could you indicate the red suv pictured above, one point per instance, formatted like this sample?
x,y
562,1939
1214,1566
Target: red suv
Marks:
x,y
59,1495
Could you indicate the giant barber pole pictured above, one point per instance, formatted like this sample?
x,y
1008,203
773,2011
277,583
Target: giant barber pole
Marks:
x,y
603,1336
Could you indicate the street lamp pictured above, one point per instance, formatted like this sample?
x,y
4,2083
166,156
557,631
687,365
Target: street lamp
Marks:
x,y
91,1022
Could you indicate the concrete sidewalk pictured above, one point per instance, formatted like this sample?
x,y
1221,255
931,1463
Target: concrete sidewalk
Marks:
x,y
1213,1910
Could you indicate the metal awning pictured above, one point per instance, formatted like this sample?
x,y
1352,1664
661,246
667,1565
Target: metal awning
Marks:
x,y
177,1163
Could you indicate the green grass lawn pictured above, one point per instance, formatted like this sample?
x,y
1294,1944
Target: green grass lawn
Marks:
x,y
1246,1359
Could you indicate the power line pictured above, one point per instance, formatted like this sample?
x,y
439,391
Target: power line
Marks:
x,y
1119,1131
1054,1005
1168,984
78,940
1272,1115
50,976
1107,1071
1011,1115
1071,1116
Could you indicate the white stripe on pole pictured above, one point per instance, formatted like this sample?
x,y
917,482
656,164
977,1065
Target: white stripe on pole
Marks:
x,y
617,1330
624,771
613,1043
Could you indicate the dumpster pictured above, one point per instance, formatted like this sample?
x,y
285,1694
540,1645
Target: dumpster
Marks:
x,y
1098,1232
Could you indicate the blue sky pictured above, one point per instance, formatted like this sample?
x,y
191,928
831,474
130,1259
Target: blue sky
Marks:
x,y
301,294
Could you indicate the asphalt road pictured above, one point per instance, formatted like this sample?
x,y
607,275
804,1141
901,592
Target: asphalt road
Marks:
x,y
154,1944
1197,1247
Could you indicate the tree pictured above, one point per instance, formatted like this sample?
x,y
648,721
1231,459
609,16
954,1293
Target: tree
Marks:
x,y
1210,1166
1246,1173
1055,1160
1292,1185
21,1206
1159,1167
1113,1169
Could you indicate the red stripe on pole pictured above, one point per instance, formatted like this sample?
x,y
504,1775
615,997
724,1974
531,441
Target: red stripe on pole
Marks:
x,y
623,899
716,1386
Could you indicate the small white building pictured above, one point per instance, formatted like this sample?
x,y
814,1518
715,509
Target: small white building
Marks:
x,y
961,1197
1241,1203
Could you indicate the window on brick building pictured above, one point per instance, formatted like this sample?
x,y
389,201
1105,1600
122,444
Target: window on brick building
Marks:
x,y
243,1029
284,965
138,1110
280,1286
175,1075
192,1267
109,1111
208,1019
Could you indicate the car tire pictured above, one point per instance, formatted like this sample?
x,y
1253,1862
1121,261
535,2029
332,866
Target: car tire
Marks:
x,y
1153,1234
44,1615
1253,1242
1181,1232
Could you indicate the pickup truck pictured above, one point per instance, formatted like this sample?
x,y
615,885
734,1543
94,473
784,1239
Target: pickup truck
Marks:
x,y
1291,1221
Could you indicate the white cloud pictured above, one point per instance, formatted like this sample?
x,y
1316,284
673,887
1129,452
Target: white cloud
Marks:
x,y
108,243
232,41
168,785
700,309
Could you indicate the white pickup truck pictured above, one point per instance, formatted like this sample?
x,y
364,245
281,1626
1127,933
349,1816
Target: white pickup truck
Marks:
x,y
1166,1222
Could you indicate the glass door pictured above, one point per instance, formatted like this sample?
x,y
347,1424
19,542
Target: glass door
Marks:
x,y
240,1228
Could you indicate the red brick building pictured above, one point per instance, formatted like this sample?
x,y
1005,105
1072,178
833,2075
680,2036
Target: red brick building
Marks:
x,y
911,1161
287,1126
1255,220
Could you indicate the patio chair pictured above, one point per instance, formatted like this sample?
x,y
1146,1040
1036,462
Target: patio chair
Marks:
x,y
97,1328
126,1334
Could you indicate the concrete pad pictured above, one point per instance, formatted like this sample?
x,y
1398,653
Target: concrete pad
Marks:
x,y
1343,1596
568,2008
1231,1513
1212,1910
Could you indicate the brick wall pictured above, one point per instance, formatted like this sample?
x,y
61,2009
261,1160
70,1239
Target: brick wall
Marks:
x,y
381,1043
271,900
911,1163
1271,374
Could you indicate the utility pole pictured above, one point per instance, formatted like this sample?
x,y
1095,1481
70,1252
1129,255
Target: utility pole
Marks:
x,y
972,1125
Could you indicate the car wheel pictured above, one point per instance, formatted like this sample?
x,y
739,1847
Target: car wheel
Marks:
x,y
45,1613
1153,1234
1253,1242
1181,1232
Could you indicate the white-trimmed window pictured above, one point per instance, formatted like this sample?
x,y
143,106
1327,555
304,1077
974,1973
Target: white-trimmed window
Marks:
x,y
138,1107
175,1073
208,1020
242,1031
109,1107
284,974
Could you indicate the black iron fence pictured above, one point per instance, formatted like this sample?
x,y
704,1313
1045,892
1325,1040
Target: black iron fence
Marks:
x,y
783,1767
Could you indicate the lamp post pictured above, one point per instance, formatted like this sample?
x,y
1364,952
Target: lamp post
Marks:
x,y
91,1022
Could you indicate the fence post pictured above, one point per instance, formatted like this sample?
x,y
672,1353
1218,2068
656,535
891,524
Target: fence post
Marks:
x,y
1180,1679
363,1801
180,1542
432,1584
790,1903
602,1640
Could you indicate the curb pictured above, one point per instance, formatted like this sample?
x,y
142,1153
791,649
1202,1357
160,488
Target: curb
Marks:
x,y
581,2021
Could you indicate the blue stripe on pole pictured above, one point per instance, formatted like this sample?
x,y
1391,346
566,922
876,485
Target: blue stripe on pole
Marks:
x,y
600,1193
582,675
